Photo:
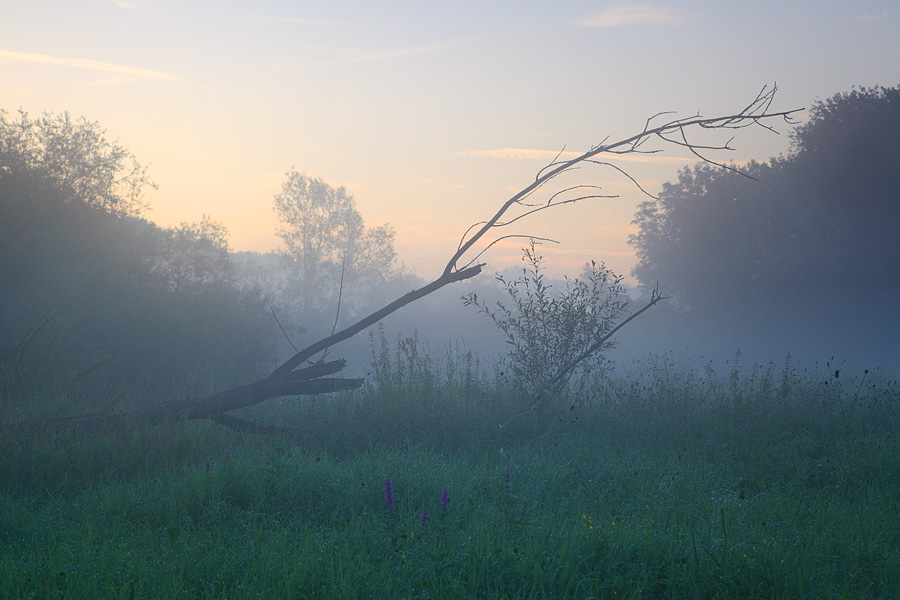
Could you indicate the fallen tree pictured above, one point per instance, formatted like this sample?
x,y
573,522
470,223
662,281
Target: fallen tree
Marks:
x,y
293,379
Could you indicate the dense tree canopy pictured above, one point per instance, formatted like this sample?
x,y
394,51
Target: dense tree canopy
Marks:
x,y
812,238
142,307
73,156
820,221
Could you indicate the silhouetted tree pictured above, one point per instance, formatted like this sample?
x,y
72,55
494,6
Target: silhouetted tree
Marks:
x,y
143,306
327,243
804,257
818,226
195,255
74,157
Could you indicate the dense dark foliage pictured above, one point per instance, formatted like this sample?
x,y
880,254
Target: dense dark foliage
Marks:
x,y
137,306
809,244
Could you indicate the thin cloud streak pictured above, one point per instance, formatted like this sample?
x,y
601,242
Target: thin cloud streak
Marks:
x,y
357,56
218,14
286,20
628,14
868,17
548,155
558,251
8,56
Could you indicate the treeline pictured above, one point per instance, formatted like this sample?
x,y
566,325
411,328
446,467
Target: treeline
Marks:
x,y
95,294
803,256
801,259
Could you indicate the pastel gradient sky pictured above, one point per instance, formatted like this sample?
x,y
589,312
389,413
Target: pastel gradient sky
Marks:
x,y
430,113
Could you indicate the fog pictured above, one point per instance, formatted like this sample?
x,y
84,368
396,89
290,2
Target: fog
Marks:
x,y
790,262
815,337
162,393
816,334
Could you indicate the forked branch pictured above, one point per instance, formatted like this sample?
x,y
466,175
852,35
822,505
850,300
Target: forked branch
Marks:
x,y
290,379
674,131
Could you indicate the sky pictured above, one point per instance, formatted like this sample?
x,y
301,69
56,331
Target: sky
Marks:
x,y
430,113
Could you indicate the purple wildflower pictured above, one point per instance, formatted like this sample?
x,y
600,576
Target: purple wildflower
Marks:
x,y
389,493
424,519
227,454
522,514
506,478
208,466
445,499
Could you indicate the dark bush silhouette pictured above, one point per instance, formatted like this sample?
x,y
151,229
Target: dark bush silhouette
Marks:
x,y
144,308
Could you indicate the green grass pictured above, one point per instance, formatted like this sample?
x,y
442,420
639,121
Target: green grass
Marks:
x,y
669,484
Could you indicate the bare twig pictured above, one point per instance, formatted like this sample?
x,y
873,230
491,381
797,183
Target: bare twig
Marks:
x,y
512,236
754,113
288,380
283,332
378,315
337,312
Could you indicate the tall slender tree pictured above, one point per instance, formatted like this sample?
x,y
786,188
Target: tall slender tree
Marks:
x,y
326,242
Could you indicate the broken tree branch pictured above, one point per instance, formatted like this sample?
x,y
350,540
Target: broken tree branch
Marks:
x,y
310,351
753,114
289,380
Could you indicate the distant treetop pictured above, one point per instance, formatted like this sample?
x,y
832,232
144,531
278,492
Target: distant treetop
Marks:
x,y
74,156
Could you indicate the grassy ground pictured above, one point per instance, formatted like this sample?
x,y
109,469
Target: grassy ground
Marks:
x,y
657,482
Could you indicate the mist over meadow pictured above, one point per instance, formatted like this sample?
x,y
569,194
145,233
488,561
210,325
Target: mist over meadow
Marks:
x,y
172,423
795,256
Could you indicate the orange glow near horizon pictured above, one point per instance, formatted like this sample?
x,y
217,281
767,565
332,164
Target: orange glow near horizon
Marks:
x,y
431,116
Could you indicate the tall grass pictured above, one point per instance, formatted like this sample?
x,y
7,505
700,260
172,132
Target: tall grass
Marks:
x,y
662,480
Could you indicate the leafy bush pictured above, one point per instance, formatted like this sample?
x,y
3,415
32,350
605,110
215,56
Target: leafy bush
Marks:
x,y
552,336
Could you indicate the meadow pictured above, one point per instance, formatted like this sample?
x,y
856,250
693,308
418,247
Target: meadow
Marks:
x,y
653,480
